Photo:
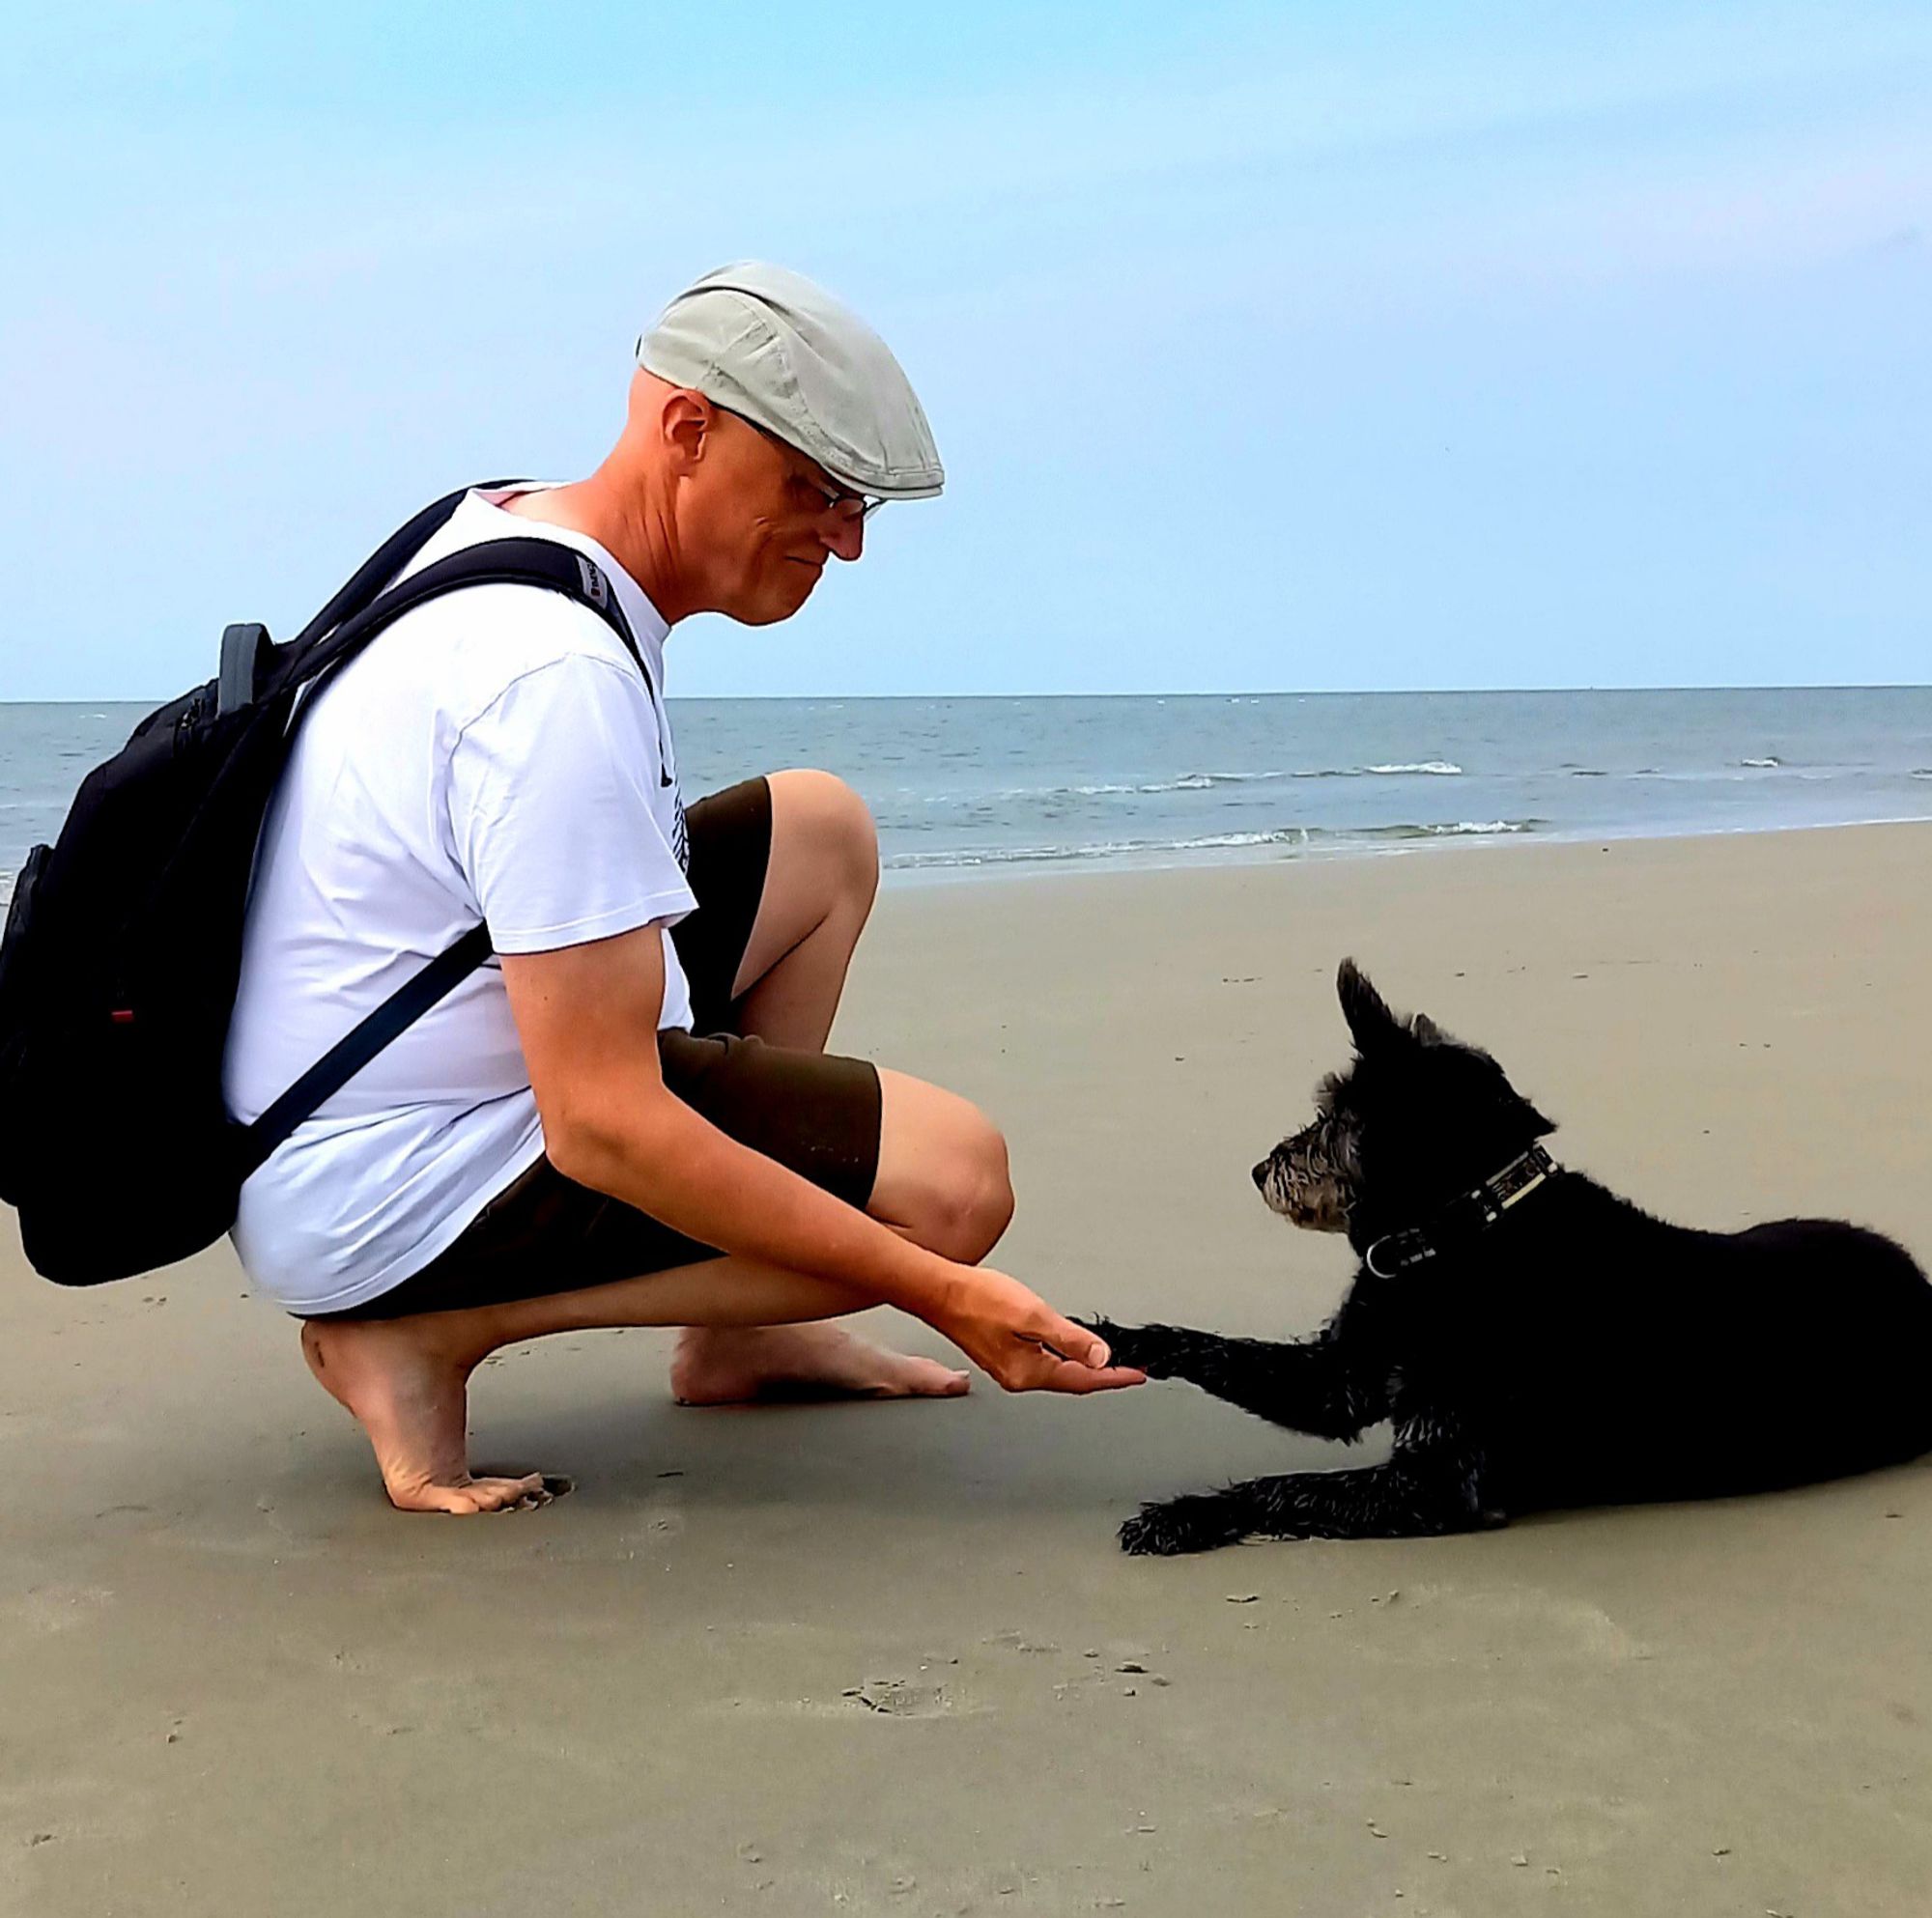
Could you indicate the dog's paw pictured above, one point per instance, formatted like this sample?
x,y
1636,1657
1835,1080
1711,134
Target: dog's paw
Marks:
x,y
1126,1345
1196,1523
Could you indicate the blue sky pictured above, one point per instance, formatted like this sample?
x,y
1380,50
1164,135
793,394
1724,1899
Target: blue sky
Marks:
x,y
1298,346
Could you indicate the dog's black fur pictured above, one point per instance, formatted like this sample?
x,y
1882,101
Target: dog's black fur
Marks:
x,y
1576,1351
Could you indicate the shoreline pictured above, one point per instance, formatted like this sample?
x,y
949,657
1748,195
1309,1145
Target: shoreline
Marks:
x,y
907,879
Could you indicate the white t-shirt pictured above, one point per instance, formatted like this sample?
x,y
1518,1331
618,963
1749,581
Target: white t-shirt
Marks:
x,y
492,756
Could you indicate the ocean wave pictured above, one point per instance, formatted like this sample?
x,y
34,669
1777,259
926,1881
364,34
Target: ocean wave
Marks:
x,y
1304,836
1201,782
1190,783
1768,764
1105,849
1453,829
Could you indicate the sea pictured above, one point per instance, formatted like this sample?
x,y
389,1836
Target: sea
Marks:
x,y
982,788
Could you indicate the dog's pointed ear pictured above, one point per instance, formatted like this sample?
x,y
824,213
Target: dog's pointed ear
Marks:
x,y
1369,1018
1426,1030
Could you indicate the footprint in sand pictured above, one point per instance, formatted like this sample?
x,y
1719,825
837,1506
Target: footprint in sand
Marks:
x,y
900,1697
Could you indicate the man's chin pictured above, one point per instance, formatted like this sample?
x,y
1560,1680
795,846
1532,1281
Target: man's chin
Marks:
x,y
797,591
780,600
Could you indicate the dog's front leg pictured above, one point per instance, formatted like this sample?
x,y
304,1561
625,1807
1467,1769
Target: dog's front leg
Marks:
x,y
1419,1494
1318,1386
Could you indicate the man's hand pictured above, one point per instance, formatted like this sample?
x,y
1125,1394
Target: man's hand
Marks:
x,y
1022,1342
587,1019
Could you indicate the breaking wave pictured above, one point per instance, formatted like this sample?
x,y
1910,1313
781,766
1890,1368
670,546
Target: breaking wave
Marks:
x,y
1198,783
1287,837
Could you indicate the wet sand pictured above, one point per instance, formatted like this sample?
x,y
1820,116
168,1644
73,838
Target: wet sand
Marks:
x,y
886,1658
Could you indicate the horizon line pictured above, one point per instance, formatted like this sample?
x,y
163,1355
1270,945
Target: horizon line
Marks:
x,y
1215,693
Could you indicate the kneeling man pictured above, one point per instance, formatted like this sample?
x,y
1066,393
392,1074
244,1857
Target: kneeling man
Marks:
x,y
628,1116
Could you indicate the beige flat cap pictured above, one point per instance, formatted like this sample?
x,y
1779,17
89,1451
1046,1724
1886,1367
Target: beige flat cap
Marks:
x,y
768,344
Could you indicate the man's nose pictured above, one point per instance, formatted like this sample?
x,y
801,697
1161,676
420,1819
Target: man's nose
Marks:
x,y
845,538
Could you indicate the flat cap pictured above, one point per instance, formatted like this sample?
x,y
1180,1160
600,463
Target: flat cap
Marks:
x,y
768,344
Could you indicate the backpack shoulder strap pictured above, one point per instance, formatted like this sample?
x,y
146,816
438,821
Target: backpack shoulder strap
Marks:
x,y
387,561
344,1059
528,562
509,562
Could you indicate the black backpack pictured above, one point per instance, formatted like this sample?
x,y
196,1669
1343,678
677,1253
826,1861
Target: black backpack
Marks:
x,y
123,947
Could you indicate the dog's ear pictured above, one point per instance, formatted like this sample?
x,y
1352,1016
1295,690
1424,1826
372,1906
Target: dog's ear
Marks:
x,y
1366,1012
1426,1030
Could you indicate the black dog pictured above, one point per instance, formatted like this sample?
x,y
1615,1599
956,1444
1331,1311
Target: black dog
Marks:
x,y
1535,1340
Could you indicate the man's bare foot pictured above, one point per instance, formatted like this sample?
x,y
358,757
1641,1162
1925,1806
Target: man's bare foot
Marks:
x,y
411,1397
718,1366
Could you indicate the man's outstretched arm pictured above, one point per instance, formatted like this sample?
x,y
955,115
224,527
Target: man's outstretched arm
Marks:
x,y
586,1016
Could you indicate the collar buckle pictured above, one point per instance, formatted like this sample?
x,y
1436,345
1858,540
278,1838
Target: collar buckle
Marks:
x,y
1401,1252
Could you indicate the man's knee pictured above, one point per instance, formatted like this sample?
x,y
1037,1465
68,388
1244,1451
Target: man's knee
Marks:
x,y
942,1177
837,824
974,1203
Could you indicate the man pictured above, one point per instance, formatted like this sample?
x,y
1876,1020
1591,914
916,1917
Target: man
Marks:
x,y
629,1118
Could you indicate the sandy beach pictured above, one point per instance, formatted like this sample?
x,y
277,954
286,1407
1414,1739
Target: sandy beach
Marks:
x,y
888,1659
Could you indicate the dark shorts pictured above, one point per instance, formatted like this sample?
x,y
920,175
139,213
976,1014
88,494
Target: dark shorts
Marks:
x,y
813,1112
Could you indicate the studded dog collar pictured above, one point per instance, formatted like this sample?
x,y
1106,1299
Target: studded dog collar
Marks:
x,y
1462,1218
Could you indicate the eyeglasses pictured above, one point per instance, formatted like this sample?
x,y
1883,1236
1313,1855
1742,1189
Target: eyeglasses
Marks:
x,y
838,502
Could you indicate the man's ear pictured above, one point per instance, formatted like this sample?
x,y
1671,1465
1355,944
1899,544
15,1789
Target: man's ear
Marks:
x,y
684,422
1369,1021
